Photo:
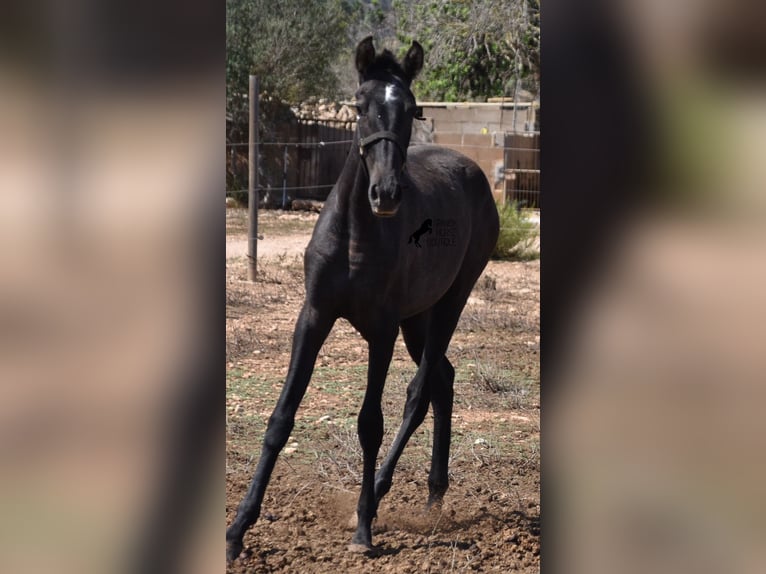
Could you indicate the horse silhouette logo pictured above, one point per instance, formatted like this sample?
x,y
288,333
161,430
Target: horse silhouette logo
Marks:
x,y
424,228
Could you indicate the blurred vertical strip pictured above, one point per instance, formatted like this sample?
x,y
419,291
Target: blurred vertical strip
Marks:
x,y
112,302
653,277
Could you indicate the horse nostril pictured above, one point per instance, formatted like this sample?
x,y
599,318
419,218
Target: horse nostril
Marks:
x,y
374,193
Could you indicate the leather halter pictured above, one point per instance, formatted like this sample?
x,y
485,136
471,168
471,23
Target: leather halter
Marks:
x,y
364,143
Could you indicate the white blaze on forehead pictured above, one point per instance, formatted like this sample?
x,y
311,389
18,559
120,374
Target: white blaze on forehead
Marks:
x,y
390,93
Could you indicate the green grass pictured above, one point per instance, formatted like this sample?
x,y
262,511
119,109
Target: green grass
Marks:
x,y
517,235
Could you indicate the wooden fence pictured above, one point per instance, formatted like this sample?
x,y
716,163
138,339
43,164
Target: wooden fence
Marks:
x,y
304,163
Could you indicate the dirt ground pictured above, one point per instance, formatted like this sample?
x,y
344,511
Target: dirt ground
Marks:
x,y
490,519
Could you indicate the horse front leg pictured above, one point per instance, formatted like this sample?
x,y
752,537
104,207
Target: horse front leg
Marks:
x,y
311,330
442,399
370,428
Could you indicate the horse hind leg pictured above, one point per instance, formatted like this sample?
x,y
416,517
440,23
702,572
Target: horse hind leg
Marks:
x,y
419,394
442,396
427,337
446,314
435,387
416,406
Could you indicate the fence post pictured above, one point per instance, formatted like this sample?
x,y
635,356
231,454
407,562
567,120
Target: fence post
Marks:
x,y
252,182
284,179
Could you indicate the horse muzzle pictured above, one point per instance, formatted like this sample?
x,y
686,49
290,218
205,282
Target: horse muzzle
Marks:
x,y
385,197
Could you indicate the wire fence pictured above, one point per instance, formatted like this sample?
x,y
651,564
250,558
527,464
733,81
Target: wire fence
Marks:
x,y
294,188
294,144
308,168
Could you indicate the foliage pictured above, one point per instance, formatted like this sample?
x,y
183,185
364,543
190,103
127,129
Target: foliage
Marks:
x,y
365,18
301,48
290,45
474,48
516,233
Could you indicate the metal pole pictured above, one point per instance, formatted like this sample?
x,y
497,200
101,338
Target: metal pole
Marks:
x,y
284,179
252,182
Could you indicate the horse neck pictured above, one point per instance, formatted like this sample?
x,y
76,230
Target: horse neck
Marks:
x,y
352,206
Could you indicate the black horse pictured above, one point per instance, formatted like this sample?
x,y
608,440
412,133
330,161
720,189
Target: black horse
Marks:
x,y
357,266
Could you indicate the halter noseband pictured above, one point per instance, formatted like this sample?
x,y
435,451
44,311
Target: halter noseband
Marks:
x,y
364,143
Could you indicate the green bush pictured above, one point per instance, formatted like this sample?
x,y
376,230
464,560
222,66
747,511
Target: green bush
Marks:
x,y
517,235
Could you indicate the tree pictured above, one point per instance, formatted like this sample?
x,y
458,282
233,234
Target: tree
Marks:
x,y
474,48
365,18
290,45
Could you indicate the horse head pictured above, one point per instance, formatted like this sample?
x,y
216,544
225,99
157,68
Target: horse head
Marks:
x,y
386,109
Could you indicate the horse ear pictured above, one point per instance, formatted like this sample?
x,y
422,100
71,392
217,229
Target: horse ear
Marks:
x,y
365,54
413,61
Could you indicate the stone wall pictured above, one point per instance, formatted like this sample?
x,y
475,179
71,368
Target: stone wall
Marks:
x,y
326,112
481,118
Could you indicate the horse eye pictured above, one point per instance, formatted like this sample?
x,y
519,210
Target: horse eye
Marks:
x,y
359,109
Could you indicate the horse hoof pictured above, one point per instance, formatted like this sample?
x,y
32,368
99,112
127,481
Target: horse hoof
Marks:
x,y
233,549
357,548
434,503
